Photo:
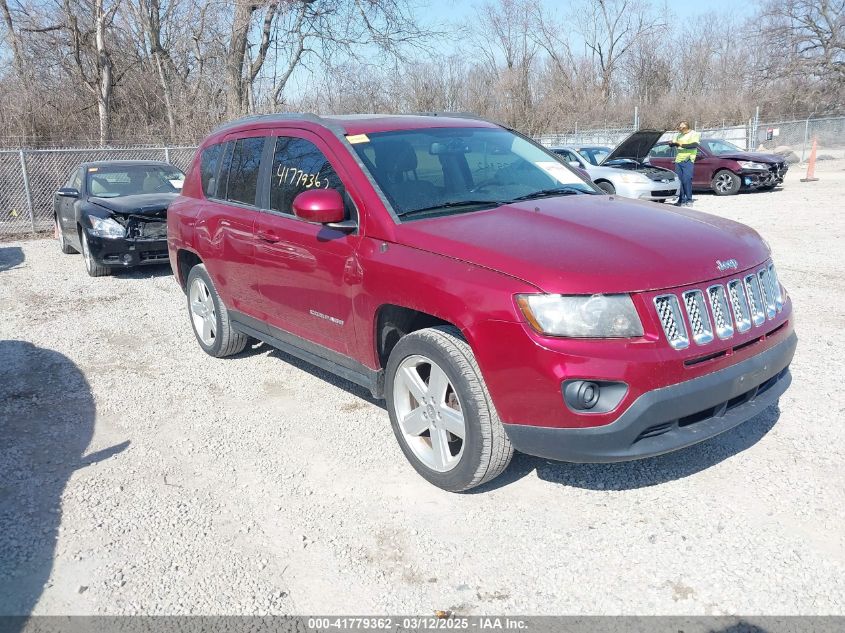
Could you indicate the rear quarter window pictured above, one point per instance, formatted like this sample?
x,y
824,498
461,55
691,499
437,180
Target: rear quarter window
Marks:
x,y
209,165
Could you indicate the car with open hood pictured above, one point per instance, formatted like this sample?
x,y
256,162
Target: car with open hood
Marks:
x,y
623,170
115,213
493,298
724,168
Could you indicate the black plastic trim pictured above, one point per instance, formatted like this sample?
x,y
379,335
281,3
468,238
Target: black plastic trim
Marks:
x,y
317,355
651,425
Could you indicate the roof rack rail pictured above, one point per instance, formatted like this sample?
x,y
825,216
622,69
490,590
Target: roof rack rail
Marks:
x,y
302,116
455,115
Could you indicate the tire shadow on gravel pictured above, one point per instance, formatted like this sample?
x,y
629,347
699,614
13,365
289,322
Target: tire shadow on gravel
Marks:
x,y
332,379
47,416
11,257
142,272
641,473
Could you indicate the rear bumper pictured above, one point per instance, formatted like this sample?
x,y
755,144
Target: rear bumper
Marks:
x,y
670,418
127,252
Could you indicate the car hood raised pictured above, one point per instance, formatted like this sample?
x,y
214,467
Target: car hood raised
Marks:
x,y
590,244
636,147
141,204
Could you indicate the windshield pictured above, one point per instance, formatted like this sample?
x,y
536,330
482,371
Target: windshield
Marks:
x,y
443,171
594,154
129,180
720,147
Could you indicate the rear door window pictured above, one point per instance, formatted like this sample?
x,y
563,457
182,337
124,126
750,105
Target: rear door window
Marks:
x,y
241,170
299,165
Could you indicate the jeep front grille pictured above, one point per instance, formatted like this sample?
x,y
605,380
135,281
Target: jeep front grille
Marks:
x,y
673,322
737,306
721,316
699,320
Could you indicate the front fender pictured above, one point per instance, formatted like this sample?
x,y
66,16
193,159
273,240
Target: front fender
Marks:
x,y
457,292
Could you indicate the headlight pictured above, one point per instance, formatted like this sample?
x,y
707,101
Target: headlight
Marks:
x,y
634,178
750,164
596,316
106,227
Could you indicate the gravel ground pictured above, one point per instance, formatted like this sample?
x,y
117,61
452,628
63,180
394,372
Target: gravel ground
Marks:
x,y
138,475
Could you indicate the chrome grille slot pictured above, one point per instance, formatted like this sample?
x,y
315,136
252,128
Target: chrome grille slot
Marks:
x,y
721,314
755,300
669,312
767,292
739,304
699,319
773,276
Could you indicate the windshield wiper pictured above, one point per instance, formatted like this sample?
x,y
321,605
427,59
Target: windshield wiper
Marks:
x,y
451,205
544,193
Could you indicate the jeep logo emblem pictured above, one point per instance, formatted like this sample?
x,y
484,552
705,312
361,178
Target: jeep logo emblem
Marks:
x,y
725,265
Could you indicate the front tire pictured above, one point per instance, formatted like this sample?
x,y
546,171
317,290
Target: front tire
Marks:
x,y
607,187
441,412
725,183
94,269
210,318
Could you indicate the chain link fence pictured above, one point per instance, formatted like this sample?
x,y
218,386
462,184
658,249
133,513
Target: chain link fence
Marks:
x,y
29,179
795,135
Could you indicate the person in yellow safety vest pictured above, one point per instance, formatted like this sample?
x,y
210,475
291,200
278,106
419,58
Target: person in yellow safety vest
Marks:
x,y
686,142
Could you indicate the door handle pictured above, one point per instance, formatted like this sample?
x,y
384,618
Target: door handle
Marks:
x,y
267,236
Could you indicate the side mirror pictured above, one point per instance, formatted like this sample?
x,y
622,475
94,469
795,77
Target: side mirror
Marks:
x,y
68,192
575,163
323,206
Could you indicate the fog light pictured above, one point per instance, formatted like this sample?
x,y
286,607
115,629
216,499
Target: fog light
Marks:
x,y
593,396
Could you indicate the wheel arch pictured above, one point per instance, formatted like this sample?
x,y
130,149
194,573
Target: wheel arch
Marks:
x,y
186,259
393,321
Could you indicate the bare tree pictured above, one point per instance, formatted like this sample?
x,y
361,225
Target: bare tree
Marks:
x,y
610,29
805,40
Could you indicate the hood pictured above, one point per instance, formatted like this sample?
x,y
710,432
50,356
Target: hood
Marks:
x,y
590,244
760,157
139,204
636,147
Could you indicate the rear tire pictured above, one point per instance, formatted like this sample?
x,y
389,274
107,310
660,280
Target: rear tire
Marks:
x,y
607,187
210,318
434,386
63,245
94,269
725,183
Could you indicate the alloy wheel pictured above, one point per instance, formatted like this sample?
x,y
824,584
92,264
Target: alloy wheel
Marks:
x,y
203,314
429,413
724,182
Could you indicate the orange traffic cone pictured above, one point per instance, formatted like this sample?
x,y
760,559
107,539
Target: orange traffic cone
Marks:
x,y
811,165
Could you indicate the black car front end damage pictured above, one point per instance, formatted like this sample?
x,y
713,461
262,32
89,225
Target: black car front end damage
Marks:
x,y
142,237
767,176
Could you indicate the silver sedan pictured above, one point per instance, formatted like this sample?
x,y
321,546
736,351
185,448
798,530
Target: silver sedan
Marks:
x,y
642,182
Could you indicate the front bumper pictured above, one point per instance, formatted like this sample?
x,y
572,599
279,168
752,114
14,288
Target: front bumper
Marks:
x,y
670,418
757,178
648,191
123,252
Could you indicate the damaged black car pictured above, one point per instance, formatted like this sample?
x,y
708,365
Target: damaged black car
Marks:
x,y
115,213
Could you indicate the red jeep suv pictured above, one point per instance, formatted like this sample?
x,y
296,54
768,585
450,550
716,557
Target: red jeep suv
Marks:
x,y
495,299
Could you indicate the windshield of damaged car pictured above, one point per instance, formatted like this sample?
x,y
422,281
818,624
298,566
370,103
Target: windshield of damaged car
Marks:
x,y
444,171
718,147
117,181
